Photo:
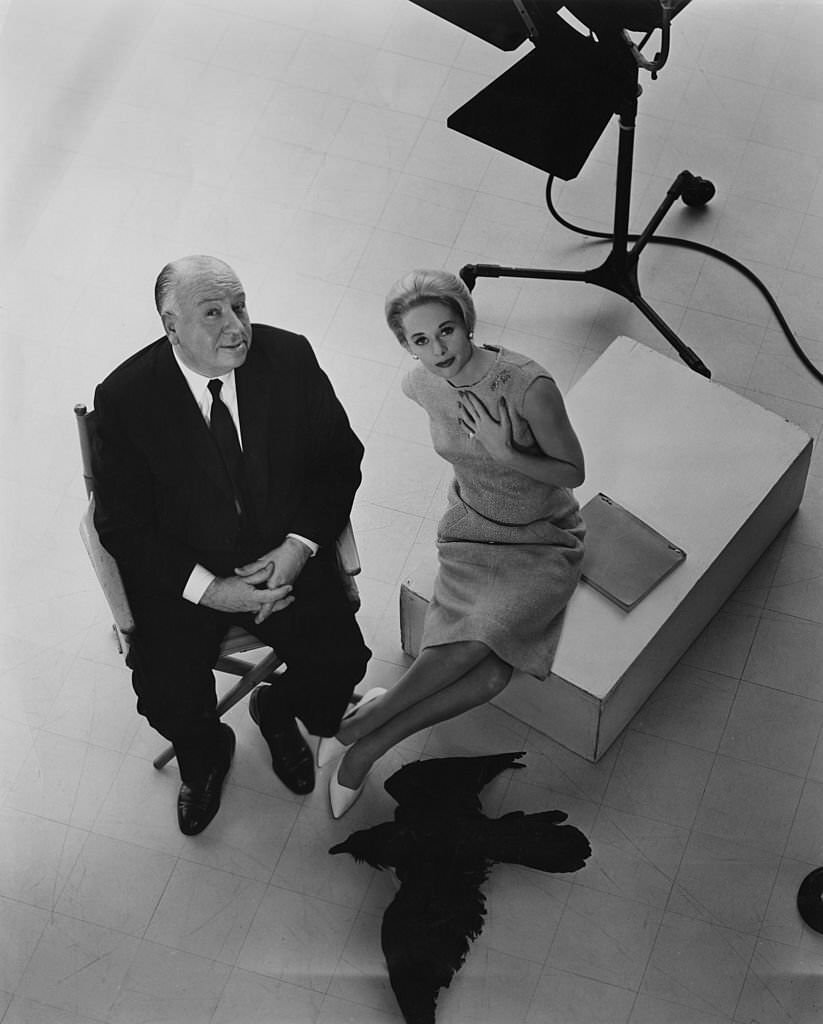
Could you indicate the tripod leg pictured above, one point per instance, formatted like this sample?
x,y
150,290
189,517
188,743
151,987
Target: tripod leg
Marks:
x,y
692,190
471,271
690,358
674,193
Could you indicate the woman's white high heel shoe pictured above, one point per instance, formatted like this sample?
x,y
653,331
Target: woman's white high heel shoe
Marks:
x,y
341,798
330,747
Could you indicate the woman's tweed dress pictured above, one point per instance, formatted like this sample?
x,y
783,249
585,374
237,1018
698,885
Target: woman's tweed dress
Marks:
x,y
509,547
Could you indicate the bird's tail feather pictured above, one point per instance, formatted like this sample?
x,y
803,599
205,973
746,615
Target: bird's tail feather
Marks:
x,y
427,932
415,998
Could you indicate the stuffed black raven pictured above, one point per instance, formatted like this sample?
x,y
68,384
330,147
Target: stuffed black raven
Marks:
x,y
442,847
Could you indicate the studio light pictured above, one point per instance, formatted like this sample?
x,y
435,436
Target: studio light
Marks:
x,y
550,108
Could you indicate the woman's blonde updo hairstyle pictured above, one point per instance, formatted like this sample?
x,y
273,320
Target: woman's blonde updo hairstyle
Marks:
x,y
422,286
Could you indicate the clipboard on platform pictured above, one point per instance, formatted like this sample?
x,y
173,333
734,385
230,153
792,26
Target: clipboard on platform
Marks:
x,y
624,557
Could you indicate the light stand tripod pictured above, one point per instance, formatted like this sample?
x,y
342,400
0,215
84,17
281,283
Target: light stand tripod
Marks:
x,y
575,116
618,272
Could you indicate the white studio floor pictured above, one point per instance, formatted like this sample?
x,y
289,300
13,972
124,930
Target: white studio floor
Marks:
x,y
304,141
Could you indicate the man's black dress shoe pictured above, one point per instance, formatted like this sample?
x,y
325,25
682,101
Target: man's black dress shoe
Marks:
x,y
197,805
291,758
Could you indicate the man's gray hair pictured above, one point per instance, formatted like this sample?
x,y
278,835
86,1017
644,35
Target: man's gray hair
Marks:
x,y
169,277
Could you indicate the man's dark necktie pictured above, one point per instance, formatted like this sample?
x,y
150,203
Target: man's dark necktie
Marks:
x,y
225,434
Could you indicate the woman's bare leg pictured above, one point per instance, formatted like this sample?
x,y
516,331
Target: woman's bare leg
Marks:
x,y
433,669
475,687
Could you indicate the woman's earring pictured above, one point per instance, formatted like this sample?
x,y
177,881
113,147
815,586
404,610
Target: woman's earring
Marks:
x,y
415,357
471,335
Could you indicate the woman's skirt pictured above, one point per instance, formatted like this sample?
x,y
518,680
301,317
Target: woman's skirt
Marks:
x,y
504,585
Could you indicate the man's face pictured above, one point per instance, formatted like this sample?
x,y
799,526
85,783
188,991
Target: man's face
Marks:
x,y
210,324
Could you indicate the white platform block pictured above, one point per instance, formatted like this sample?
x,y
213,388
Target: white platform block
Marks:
x,y
713,472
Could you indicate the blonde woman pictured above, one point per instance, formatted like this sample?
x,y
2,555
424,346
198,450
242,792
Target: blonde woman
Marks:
x,y
510,542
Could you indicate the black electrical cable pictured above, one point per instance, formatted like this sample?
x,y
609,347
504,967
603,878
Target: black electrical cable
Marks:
x,y
687,243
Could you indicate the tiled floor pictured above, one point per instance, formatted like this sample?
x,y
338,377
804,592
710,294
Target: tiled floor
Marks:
x,y
305,142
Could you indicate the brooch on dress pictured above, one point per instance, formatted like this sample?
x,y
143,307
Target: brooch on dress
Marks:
x,y
500,379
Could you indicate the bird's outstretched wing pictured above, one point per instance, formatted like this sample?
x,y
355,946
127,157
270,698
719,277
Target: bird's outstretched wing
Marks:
x,y
427,931
534,840
452,783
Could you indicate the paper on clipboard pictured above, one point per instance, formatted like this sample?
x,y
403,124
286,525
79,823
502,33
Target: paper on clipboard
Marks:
x,y
624,558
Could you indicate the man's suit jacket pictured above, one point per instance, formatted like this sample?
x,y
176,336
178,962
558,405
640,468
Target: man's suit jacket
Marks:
x,y
164,501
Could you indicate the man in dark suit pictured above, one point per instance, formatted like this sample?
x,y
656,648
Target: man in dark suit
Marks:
x,y
225,468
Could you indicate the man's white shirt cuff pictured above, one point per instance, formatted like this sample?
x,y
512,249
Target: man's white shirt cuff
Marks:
x,y
197,584
310,544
